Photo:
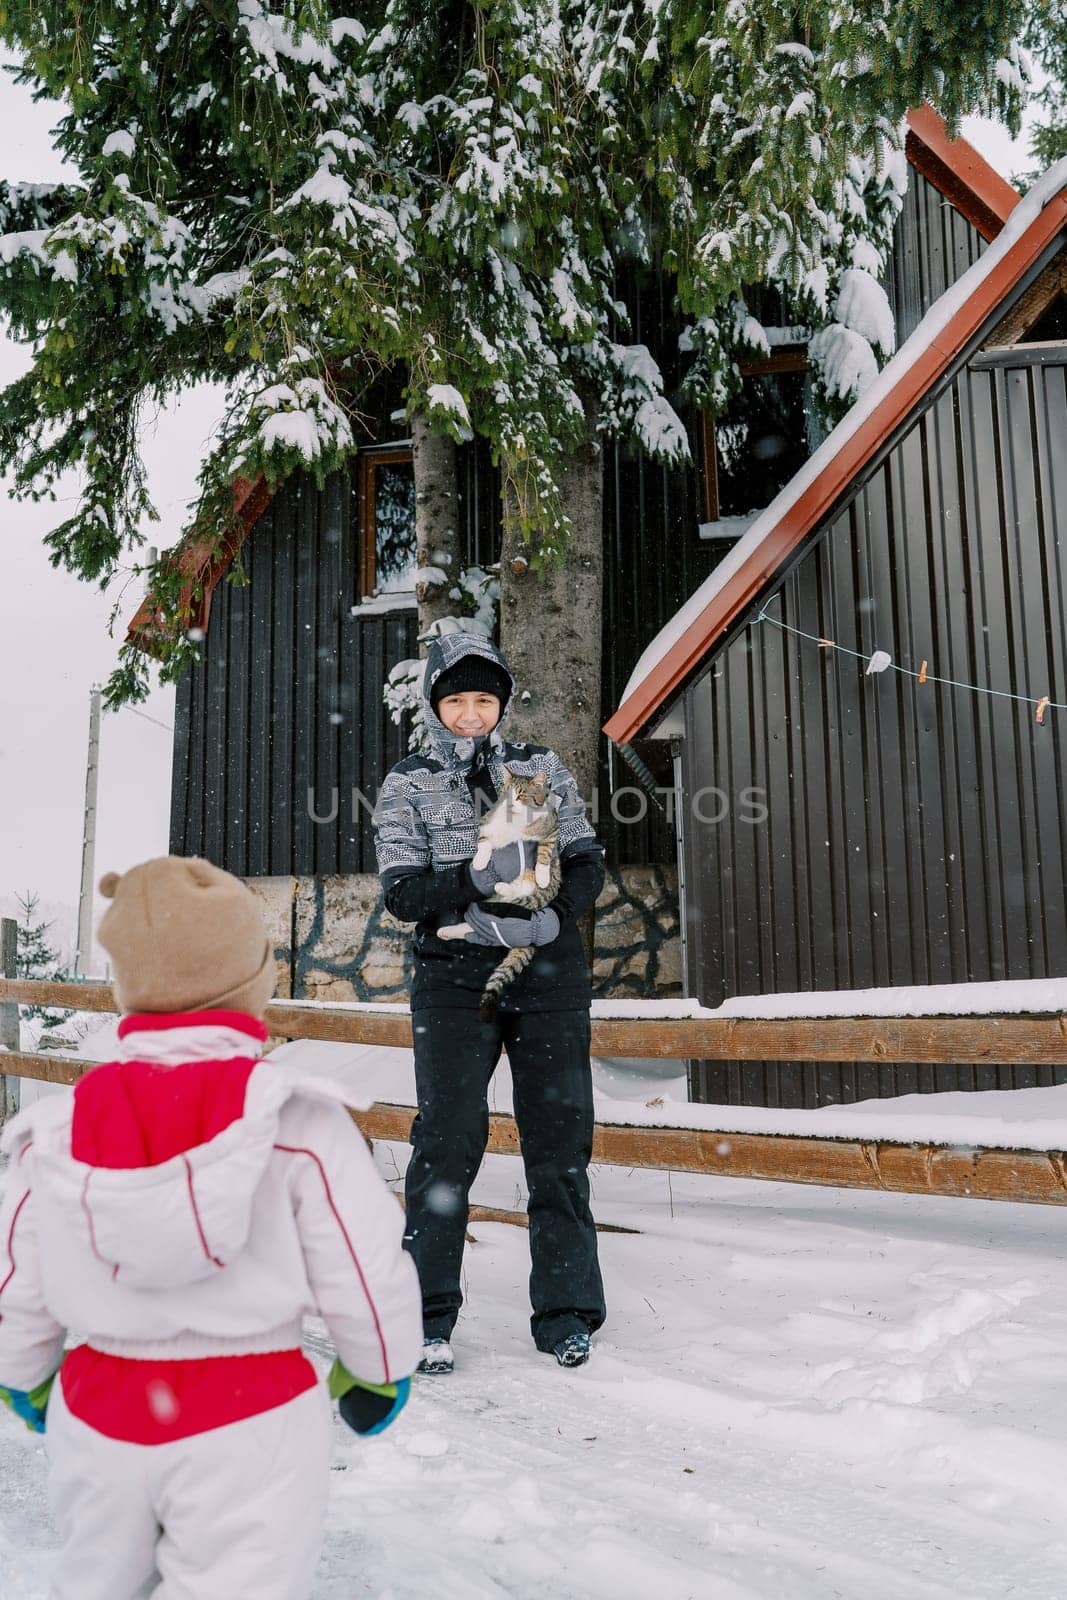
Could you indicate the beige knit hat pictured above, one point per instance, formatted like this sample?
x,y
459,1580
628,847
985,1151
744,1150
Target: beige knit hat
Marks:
x,y
185,936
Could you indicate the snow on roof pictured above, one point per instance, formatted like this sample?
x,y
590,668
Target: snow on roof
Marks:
x,y
926,335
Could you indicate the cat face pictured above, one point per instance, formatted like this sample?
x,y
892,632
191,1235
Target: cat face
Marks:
x,y
529,802
531,791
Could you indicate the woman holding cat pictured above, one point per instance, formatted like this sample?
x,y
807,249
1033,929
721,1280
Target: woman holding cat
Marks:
x,y
427,833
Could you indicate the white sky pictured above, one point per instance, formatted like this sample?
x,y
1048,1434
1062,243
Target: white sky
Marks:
x,y
54,645
53,629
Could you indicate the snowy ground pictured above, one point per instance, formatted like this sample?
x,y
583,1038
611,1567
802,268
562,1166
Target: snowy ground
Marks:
x,y
800,1393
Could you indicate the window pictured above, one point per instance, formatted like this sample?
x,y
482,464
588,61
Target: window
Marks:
x,y
386,521
762,439
1051,325
1038,319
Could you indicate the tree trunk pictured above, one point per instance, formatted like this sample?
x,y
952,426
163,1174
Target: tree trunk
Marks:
x,y
550,626
436,521
550,629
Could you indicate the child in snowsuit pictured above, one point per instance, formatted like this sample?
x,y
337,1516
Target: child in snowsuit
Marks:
x,y
426,833
180,1212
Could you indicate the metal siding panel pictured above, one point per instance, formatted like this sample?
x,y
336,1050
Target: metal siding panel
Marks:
x,y
1015,805
329,607
184,731
355,674
938,214
349,752
215,726
235,840
305,675
933,245
283,661
371,713
968,930
920,728
194,836
984,534
951,630
1041,596
259,560
880,743
1051,461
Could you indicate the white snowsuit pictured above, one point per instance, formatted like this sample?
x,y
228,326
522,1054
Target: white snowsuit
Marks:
x,y
187,1277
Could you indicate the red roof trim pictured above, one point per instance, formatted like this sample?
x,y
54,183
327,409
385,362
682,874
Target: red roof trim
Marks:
x,y
202,562
964,177
801,517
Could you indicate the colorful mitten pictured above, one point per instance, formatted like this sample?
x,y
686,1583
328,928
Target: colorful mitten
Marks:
x,y
367,1407
30,1406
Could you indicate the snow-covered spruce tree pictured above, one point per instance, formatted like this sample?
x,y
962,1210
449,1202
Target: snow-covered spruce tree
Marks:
x,y
1047,38
285,198
35,957
528,345
779,160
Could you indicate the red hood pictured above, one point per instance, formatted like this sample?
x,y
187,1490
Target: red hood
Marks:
x,y
141,1113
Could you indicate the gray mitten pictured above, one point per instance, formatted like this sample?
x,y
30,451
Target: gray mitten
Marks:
x,y
505,864
515,933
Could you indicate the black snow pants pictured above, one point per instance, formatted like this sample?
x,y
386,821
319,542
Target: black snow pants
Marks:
x,y
455,1056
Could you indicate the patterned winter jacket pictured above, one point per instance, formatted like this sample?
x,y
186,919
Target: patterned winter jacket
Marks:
x,y
426,831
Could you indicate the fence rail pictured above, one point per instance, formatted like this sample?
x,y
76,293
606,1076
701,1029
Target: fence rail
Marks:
x,y
978,1172
1023,1040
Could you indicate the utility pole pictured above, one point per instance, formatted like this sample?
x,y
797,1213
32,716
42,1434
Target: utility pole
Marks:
x,y
9,1015
84,950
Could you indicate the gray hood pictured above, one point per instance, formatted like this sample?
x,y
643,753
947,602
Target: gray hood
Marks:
x,y
444,652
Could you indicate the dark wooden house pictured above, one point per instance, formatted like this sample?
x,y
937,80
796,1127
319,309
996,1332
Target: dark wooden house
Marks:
x,y
282,737
845,827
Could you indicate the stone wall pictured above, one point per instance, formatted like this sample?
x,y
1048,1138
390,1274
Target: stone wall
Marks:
x,y
334,940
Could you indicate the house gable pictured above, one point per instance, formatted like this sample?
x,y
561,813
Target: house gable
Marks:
x,y
974,188
753,566
910,826
955,204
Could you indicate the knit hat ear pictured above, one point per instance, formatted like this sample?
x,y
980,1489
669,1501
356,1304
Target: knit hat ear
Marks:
x,y
183,935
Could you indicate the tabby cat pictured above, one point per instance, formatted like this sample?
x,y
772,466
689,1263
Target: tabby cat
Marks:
x,y
525,810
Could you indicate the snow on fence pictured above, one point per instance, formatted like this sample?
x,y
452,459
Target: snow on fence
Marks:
x,y
777,1146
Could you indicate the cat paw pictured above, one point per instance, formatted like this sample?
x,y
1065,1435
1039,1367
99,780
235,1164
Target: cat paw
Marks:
x,y
543,876
458,930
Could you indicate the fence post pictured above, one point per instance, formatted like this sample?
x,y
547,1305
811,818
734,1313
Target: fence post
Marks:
x,y
9,1017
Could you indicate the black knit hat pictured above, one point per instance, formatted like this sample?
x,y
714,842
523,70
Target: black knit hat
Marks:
x,y
475,674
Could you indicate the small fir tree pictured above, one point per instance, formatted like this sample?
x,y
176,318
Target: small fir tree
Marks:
x,y
36,958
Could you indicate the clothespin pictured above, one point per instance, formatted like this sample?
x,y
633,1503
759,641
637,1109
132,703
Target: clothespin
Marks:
x,y
827,644
922,673
1039,714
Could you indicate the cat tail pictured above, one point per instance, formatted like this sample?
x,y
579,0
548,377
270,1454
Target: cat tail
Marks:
x,y
514,963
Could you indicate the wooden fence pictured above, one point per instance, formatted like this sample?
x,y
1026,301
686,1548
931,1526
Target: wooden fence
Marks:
x,y
978,1172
